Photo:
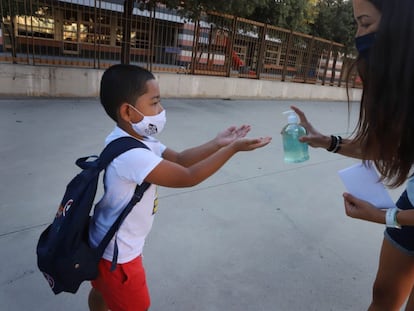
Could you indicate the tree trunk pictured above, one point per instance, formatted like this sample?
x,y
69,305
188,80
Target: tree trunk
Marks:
x,y
126,31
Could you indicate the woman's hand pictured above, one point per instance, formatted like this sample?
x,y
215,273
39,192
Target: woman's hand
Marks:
x,y
314,138
231,134
361,209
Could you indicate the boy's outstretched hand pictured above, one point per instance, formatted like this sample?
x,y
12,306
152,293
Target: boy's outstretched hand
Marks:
x,y
231,134
248,144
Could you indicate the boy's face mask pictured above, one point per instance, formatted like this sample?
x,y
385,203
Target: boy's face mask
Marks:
x,y
149,125
364,43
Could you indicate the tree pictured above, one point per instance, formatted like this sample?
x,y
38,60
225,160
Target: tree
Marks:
x,y
328,19
191,9
290,14
335,21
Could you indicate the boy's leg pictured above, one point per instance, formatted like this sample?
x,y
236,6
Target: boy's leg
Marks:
x,y
125,288
96,301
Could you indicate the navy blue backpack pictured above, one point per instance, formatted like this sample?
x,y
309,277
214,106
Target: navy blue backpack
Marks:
x,y
64,255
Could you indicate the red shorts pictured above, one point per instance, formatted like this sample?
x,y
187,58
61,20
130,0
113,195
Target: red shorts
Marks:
x,y
125,288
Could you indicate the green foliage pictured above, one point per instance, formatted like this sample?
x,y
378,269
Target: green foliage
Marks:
x,y
335,22
194,8
328,19
290,14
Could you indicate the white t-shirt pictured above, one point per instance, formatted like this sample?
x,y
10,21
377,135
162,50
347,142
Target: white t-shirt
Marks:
x,y
121,177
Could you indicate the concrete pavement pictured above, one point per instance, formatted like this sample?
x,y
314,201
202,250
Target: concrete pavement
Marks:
x,y
260,235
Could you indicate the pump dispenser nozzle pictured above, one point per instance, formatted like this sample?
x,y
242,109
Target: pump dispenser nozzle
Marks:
x,y
292,116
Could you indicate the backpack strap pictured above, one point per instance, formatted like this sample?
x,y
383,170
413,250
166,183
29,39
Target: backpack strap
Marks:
x,y
111,151
139,192
116,148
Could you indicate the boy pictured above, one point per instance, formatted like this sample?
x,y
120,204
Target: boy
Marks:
x,y
130,96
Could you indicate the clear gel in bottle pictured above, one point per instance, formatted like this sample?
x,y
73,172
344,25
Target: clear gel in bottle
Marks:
x,y
294,150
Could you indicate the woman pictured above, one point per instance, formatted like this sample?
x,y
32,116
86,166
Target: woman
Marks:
x,y
384,134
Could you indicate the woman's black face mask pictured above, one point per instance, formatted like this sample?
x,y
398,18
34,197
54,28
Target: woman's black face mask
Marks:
x,y
364,43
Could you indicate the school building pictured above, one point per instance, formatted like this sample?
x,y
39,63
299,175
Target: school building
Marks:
x,y
90,34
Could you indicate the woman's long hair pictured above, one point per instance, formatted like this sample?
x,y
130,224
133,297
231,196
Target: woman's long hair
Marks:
x,y
385,127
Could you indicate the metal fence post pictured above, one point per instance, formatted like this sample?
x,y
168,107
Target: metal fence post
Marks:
x,y
262,48
229,47
308,61
288,48
195,44
328,57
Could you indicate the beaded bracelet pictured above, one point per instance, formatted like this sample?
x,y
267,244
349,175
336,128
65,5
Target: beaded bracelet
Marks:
x,y
334,141
335,145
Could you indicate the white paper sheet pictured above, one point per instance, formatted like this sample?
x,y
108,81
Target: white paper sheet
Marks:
x,y
363,182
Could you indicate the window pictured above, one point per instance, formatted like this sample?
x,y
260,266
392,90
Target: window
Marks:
x,y
272,55
95,29
139,35
70,32
70,26
41,24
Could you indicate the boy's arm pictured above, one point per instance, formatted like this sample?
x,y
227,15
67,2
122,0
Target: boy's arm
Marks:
x,y
170,174
193,155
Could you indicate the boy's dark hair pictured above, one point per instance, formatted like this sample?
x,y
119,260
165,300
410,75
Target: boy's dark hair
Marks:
x,y
122,83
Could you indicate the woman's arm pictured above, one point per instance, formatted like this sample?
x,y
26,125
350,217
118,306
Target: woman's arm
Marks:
x,y
361,209
406,217
316,139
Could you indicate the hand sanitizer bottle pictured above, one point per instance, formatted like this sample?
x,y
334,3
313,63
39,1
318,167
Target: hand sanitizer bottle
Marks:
x,y
294,150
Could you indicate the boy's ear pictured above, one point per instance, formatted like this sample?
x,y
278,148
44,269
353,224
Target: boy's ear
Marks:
x,y
124,112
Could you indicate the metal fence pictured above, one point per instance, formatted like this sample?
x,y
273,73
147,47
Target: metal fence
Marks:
x,y
90,33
